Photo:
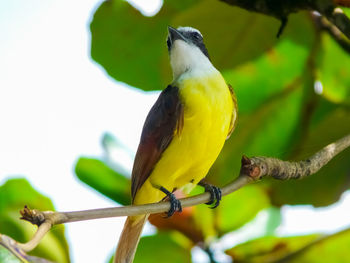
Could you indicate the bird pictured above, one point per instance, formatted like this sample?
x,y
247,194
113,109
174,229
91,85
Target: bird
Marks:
x,y
183,133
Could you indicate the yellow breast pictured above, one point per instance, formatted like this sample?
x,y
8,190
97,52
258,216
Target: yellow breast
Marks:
x,y
208,110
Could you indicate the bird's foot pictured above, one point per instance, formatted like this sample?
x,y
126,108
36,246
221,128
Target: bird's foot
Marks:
x,y
215,194
175,204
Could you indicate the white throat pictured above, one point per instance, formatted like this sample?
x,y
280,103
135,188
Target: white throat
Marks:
x,y
188,58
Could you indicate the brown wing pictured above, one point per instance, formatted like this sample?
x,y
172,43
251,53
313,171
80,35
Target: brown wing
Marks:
x,y
163,120
234,112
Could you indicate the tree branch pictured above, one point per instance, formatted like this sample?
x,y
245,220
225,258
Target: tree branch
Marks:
x,y
258,167
282,9
252,169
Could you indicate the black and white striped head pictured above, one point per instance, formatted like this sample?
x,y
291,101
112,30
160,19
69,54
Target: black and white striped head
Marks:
x,y
187,51
188,34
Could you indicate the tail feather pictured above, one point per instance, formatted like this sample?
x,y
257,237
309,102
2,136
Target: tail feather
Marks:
x,y
129,239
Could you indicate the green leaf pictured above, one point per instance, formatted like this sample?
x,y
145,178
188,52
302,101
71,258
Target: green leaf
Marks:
x,y
257,80
204,219
105,180
129,45
162,247
334,248
132,49
297,249
16,193
234,211
11,253
229,32
239,208
6,255
268,249
333,73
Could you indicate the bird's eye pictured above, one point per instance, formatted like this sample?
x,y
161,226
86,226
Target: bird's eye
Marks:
x,y
168,43
196,36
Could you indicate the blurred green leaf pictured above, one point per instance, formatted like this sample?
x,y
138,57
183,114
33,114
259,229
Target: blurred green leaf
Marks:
x,y
333,73
115,150
204,219
16,193
268,249
334,248
6,255
274,219
298,249
105,180
132,49
129,45
229,32
234,211
257,80
162,247
239,208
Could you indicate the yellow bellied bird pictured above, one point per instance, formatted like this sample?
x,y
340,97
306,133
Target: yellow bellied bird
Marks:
x,y
183,134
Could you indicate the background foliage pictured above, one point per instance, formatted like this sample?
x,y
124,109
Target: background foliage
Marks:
x,y
10,203
281,114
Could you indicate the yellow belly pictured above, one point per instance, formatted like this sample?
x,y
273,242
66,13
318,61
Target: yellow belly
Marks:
x,y
208,110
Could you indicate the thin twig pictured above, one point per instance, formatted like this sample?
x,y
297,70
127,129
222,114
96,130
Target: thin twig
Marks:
x,y
252,169
338,18
333,31
38,236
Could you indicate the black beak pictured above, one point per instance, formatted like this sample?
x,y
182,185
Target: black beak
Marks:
x,y
175,34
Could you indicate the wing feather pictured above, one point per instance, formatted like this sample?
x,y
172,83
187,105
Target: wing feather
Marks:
x,y
163,121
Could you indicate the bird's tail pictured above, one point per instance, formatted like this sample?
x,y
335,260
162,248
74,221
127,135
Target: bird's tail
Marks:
x,y
129,239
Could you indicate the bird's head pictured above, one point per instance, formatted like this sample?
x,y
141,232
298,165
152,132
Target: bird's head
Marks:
x,y
187,50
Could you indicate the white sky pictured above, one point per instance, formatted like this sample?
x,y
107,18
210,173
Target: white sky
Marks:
x,y
55,104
